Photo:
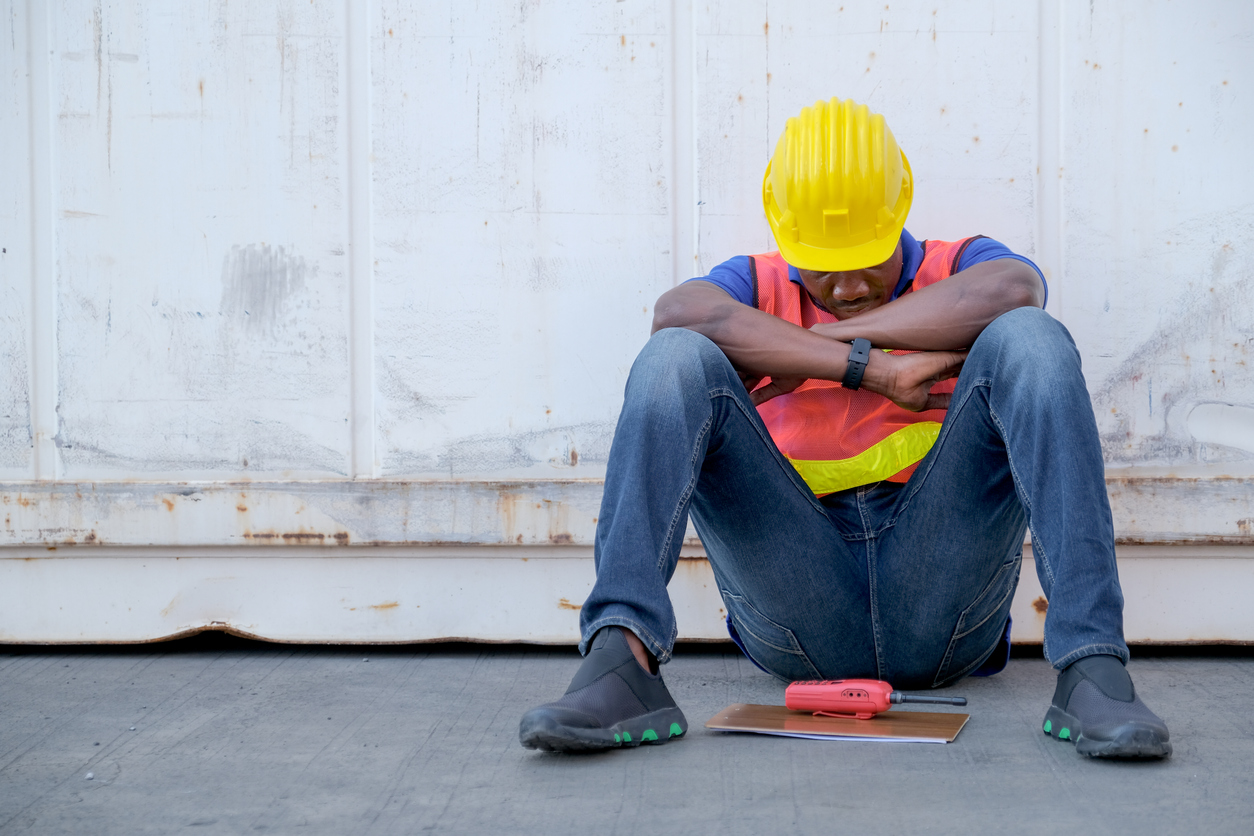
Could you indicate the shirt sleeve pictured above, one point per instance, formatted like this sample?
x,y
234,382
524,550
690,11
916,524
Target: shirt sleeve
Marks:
x,y
732,276
986,249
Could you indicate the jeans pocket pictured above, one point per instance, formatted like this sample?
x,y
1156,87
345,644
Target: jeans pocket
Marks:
x,y
773,647
980,626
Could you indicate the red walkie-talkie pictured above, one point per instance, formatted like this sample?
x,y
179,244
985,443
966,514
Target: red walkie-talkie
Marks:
x,y
858,698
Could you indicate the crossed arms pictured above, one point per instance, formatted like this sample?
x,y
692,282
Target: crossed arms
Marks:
x,y
938,321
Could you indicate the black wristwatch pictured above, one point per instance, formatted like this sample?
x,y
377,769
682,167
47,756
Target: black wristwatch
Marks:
x,y
859,356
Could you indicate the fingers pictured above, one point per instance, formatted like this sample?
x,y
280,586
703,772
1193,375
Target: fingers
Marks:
x,y
951,363
761,396
777,387
937,400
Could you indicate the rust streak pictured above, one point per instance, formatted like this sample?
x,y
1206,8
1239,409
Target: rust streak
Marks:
x,y
386,605
168,503
302,536
1188,540
565,604
1040,604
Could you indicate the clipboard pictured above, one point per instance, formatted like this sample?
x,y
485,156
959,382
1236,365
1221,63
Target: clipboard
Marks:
x,y
888,727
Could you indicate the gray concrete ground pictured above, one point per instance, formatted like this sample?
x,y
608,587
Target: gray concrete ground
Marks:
x,y
235,737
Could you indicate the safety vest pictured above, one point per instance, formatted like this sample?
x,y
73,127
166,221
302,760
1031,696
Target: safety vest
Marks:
x,y
838,438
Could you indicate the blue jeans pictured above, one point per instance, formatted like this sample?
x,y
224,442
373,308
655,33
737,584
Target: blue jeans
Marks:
x,y
910,583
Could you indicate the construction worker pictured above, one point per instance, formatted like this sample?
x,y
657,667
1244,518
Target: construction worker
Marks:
x,y
863,510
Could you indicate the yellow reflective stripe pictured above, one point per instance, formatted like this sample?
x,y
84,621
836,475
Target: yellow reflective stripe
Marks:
x,y
894,454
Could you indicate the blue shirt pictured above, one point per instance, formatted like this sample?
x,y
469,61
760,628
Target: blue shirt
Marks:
x,y
733,274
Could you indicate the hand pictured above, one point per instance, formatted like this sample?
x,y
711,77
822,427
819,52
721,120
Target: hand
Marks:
x,y
777,386
907,379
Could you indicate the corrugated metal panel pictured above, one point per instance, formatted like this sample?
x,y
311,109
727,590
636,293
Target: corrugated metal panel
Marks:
x,y
375,272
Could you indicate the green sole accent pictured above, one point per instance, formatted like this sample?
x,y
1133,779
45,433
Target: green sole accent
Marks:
x,y
649,734
618,738
1049,725
1064,733
676,731
626,737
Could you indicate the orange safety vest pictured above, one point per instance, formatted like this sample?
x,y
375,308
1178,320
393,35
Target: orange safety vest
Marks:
x,y
836,438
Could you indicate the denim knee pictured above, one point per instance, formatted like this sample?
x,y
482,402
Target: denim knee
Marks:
x,y
681,353
1027,344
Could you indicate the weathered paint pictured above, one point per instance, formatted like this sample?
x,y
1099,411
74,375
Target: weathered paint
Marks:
x,y
429,513
514,196
336,273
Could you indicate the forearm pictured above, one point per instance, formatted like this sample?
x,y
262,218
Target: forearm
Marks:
x,y
756,342
947,315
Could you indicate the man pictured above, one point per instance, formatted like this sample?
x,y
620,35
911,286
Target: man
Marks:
x,y
863,512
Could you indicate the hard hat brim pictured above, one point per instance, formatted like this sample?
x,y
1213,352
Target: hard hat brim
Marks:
x,y
820,260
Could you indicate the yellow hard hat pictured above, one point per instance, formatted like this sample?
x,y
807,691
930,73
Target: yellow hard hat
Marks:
x,y
838,189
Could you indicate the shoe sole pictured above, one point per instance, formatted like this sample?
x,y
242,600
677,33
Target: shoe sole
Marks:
x,y
1131,741
538,731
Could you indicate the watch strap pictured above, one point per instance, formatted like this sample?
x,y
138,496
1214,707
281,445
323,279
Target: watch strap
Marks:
x,y
859,356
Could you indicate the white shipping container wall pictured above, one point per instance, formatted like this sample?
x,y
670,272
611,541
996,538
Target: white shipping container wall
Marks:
x,y
337,299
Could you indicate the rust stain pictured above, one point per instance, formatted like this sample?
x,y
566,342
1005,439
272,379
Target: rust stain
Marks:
x,y
386,605
565,604
561,539
1241,539
303,536
507,508
1040,604
340,537
1246,526
168,503
241,507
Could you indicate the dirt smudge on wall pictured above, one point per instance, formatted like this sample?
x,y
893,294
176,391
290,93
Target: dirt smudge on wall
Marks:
x,y
258,283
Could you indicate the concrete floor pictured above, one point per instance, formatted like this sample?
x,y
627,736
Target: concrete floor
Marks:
x,y
232,737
